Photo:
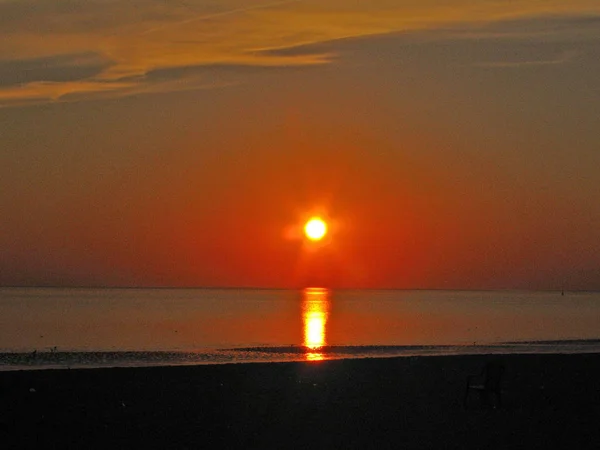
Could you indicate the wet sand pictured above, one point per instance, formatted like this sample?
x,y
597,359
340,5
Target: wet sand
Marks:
x,y
549,401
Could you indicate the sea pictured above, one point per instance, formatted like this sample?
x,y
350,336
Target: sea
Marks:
x,y
59,328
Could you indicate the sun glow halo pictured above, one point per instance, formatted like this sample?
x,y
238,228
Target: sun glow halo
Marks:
x,y
315,229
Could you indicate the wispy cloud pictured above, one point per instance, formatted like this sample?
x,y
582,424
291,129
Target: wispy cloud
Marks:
x,y
42,43
56,68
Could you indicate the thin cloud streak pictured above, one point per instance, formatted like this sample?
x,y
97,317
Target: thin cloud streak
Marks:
x,y
221,14
563,58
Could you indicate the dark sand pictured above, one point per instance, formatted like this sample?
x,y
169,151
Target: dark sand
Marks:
x,y
550,401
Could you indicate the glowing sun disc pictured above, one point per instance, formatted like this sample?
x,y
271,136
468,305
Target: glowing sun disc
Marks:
x,y
315,229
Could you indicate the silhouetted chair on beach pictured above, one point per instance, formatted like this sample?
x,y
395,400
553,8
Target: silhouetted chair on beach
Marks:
x,y
488,384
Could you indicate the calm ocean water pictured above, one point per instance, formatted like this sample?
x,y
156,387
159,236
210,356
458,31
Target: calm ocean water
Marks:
x,y
51,327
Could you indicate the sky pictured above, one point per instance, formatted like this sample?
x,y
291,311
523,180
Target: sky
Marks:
x,y
448,144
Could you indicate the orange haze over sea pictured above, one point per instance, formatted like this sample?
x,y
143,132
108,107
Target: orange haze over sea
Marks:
x,y
187,145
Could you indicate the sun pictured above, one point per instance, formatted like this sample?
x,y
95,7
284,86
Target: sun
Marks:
x,y
315,229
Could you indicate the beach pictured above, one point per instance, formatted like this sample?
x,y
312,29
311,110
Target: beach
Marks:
x,y
548,401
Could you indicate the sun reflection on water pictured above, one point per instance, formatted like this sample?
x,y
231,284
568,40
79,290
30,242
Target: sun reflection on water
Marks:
x,y
315,309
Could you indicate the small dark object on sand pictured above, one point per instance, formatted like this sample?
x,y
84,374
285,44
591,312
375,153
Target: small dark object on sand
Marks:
x,y
488,384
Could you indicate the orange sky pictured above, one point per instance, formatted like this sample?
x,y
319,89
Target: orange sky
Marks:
x,y
151,144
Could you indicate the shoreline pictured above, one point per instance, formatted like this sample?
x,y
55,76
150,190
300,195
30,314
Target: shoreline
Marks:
x,y
57,360
549,401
